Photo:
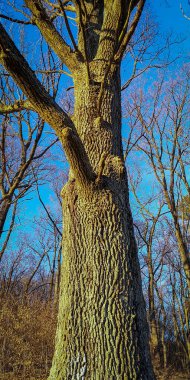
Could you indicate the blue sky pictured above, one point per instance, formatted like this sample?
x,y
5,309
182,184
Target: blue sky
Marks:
x,y
169,14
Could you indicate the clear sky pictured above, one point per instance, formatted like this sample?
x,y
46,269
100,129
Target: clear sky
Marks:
x,y
170,18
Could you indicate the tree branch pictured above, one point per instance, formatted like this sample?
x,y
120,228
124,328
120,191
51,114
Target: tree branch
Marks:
x,y
47,108
68,26
26,79
183,13
51,35
77,157
45,150
18,106
84,39
23,22
46,210
126,37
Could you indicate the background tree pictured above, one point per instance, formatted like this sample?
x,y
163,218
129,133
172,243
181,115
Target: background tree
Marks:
x,y
147,230
29,285
24,149
165,143
161,117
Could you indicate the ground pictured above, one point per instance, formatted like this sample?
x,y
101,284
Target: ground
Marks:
x,y
164,376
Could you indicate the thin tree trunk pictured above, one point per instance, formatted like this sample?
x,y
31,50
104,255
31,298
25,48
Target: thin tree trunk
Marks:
x,y
57,278
152,312
4,209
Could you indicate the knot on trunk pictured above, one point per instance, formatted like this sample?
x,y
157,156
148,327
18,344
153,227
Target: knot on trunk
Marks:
x,y
110,166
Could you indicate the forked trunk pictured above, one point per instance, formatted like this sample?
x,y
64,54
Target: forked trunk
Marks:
x,y
102,331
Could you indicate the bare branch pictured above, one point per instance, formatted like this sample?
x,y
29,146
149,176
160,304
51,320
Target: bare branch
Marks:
x,y
24,76
84,38
183,13
126,37
46,149
54,71
18,106
51,35
68,26
23,22
47,108
46,210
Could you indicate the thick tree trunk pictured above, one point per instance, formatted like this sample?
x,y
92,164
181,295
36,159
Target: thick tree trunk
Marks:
x,y
102,330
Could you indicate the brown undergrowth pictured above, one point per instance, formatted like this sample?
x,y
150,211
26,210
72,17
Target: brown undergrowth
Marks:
x,y
27,331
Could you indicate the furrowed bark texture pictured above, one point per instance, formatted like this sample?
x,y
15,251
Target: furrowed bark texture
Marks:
x,y
102,330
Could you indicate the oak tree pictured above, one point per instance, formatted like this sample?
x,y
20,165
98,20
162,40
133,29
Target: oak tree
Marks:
x,y
102,331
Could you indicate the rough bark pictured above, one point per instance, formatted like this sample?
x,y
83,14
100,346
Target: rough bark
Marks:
x,y
102,330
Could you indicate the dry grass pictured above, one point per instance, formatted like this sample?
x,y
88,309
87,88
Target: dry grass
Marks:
x,y
9,376
172,375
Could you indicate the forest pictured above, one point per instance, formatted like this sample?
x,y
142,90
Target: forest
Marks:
x,y
95,190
